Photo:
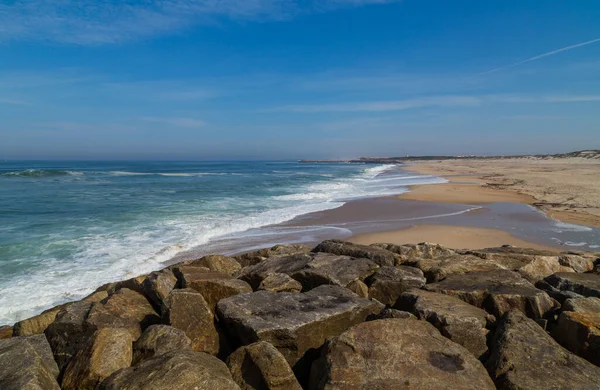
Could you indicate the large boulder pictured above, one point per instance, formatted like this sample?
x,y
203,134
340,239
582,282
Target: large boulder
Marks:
x,y
260,366
26,362
173,370
294,323
255,274
255,257
359,288
497,292
6,332
36,324
123,309
582,305
381,257
218,263
579,332
587,285
524,356
460,322
388,283
187,310
213,286
158,285
397,354
158,340
560,295
280,283
424,250
439,268
105,352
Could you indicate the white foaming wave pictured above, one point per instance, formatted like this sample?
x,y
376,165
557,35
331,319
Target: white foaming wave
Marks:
x,y
374,171
572,227
576,244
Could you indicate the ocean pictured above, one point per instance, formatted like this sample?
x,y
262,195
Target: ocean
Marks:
x,y
68,227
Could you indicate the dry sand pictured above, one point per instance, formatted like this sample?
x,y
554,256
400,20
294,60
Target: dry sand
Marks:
x,y
567,189
456,237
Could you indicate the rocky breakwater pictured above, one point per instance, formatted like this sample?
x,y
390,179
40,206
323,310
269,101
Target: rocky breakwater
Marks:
x,y
339,316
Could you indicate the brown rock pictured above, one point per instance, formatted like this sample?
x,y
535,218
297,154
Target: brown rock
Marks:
x,y
255,274
213,286
173,370
96,296
579,332
359,288
187,310
280,283
158,340
105,352
381,257
388,313
497,292
423,250
439,268
255,257
218,263
36,324
293,323
523,356
388,283
158,285
587,285
26,362
397,354
460,322
582,305
6,332
260,366
134,284
578,262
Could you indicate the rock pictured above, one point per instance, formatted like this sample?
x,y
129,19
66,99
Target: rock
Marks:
x,y
123,309
524,356
158,340
388,283
173,370
460,322
26,362
213,286
577,262
36,324
288,265
359,288
553,292
423,250
218,263
497,292
587,285
396,354
135,284
380,256
391,313
157,286
582,305
255,257
579,332
293,323
187,310
68,332
105,352
439,268
6,332
96,296
280,283
260,366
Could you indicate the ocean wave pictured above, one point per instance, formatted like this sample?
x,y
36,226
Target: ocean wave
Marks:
x,y
40,173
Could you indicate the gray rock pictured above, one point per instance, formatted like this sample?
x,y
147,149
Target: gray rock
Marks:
x,y
582,305
280,283
579,332
397,354
497,292
388,313
460,322
381,257
587,285
388,283
218,263
553,292
158,340
255,257
524,356
439,268
174,370
424,250
26,363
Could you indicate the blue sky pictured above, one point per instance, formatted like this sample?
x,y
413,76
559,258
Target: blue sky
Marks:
x,y
245,79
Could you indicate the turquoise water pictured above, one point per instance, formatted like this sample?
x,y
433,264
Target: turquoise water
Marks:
x,y
68,227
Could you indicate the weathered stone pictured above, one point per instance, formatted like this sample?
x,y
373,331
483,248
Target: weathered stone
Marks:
x,y
187,310
577,262
424,250
174,370
105,352
587,285
582,305
123,309
460,322
158,340
135,284
579,332
524,356
497,292
6,332
255,257
255,274
396,354
96,296
381,257
36,324
260,366
26,363
213,286
294,323
68,332
218,263
439,268
388,283
158,285
359,288
388,313
553,292
280,283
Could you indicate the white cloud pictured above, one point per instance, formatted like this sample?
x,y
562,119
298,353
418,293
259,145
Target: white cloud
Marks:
x,y
177,122
544,98
111,21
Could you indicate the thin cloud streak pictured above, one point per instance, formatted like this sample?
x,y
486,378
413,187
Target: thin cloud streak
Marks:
x,y
14,102
177,122
554,52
